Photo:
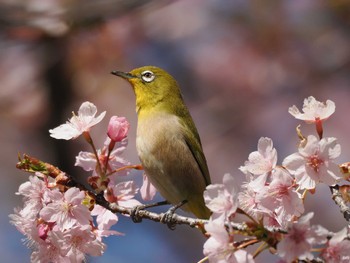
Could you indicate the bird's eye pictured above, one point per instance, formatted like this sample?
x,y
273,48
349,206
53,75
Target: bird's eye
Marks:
x,y
147,76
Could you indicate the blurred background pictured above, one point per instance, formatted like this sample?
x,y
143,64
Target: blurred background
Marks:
x,y
240,64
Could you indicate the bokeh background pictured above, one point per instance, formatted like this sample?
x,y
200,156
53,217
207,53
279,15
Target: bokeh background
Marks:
x,y
240,64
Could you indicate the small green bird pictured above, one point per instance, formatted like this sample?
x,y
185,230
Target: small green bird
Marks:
x,y
167,140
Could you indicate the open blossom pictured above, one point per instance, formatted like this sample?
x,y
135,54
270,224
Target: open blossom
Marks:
x,y
67,209
222,198
300,239
314,162
78,124
338,248
313,110
219,246
35,194
118,128
105,219
123,194
87,160
281,198
61,228
248,201
263,160
77,242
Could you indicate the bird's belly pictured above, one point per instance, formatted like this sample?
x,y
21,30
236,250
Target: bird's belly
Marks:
x,y
167,160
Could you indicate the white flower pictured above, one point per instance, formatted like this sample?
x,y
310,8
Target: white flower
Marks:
x,y
313,110
314,163
78,124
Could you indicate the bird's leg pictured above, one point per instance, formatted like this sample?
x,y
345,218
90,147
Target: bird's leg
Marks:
x,y
135,211
168,218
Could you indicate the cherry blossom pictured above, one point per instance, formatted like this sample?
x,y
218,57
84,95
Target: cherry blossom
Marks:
x,y
123,194
314,163
219,246
147,191
281,198
313,110
67,209
77,242
300,239
222,198
105,219
118,128
35,195
263,160
78,124
338,248
87,160
60,230
249,200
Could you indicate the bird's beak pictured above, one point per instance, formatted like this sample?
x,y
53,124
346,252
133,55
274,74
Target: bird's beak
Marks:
x,y
124,75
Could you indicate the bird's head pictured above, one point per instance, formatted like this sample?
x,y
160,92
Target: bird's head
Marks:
x,y
153,86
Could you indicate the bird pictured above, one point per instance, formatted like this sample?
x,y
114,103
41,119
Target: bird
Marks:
x,y
167,140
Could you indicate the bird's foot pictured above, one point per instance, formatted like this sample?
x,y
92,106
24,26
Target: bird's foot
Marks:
x,y
168,217
135,212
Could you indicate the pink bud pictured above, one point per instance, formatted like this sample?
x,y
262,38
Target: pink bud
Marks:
x,y
118,128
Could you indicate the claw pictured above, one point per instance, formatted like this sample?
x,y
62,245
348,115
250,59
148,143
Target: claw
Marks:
x,y
168,217
135,213
136,210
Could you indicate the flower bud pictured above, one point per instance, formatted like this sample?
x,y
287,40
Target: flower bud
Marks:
x,y
118,128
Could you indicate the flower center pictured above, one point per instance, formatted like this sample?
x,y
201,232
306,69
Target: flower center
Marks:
x,y
315,162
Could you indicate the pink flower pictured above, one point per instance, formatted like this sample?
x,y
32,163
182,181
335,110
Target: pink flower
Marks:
x,y
78,124
313,110
35,196
338,248
118,128
87,160
105,220
297,244
123,194
314,162
219,246
47,252
249,200
262,161
222,198
281,198
148,191
67,210
76,242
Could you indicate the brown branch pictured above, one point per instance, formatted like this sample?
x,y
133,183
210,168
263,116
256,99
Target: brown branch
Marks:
x,y
65,181
32,165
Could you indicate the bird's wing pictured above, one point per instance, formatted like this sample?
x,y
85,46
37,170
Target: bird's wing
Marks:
x,y
194,144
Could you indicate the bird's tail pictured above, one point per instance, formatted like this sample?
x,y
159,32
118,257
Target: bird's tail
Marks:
x,y
197,206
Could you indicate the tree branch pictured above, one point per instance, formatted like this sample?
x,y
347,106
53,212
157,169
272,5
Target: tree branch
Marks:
x,y
337,197
65,181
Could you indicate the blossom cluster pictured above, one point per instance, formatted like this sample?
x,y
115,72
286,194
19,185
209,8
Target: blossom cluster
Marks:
x,y
63,224
273,197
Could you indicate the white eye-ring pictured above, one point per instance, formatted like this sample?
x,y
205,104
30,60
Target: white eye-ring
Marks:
x,y
147,76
